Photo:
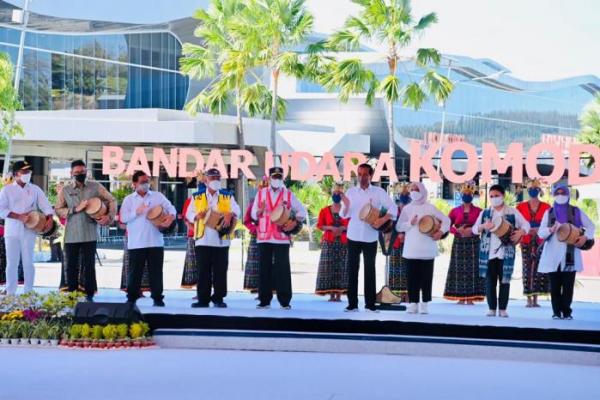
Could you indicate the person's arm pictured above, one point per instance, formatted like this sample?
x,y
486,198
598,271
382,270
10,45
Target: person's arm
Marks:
x,y
235,208
256,206
168,206
544,230
590,228
190,212
61,207
128,212
403,224
43,203
346,204
299,208
453,217
321,222
479,221
109,200
443,218
4,205
521,221
389,204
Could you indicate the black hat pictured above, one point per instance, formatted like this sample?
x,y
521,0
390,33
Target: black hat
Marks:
x,y
19,165
212,172
275,171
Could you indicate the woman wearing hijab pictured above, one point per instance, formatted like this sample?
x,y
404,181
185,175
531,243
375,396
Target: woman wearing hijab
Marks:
x,y
397,281
420,250
534,282
561,261
332,275
463,283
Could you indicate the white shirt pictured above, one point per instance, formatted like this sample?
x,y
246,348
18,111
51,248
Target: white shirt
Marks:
x,y
358,230
21,200
496,247
141,233
211,236
555,252
273,194
416,244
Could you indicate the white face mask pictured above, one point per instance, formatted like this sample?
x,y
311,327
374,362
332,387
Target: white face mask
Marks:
x,y
415,196
561,199
144,187
497,201
276,183
26,178
214,185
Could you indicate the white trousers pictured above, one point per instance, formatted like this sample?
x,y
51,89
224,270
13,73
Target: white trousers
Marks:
x,y
19,248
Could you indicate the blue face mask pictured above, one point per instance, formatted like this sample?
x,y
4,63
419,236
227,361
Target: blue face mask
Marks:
x,y
533,192
404,199
336,197
467,198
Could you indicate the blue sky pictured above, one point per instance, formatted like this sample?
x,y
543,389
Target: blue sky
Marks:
x,y
535,39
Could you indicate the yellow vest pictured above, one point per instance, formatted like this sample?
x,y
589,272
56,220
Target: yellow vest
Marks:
x,y
201,204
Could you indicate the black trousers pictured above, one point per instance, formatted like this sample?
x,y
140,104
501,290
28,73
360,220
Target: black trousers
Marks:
x,y
137,261
561,292
81,255
212,263
493,276
274,265
419,274
369,251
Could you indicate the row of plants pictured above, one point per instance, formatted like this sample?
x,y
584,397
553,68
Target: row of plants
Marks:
x,y
108,336
40,333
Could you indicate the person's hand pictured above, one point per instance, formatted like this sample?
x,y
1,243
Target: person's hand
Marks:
x,y
581,241
48,223
414,220
81,206
22,217
380,221
516,236
200,215
104,220
291,224
167,221
227,217
533,231
554,228
261,208
142,208
465,231
437,235
488,225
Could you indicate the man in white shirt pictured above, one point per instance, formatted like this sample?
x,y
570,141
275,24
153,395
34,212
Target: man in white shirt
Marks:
x,y
17,200
212,246
273,241
145,241
497,259
362,237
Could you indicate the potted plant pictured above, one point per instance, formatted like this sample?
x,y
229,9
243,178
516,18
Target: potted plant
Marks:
x,y
122,331
75,334
54,334
109,332
25,329
86,333
96,335
37,331
4,333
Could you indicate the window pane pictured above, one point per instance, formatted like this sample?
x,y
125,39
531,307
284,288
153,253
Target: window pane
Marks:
x,y
58,81
44,81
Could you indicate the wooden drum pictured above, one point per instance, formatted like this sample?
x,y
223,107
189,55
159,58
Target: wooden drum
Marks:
x,y
36,221
368,214
96,208
281,215
213,219
568,233
157,215
503,229
429,225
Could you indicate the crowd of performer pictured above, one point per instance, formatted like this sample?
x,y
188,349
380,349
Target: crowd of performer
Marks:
x,y
406,226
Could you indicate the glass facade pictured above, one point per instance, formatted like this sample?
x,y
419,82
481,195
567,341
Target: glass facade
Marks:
x,y
500,109
98,71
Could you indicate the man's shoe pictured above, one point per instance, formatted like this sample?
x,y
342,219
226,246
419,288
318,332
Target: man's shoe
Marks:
x,y
263,306
199,305
556,317
413,308
503,314
220,304
490,313
423,308
568,318
159,303
351,309
288,307
371,309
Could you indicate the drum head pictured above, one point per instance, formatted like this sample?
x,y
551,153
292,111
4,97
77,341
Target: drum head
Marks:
x,y
563,232
277,213
426,224
94,205
34,219
364,211
155,212
497,221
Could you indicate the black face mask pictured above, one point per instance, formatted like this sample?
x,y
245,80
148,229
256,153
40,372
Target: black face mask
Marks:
x,y
79,178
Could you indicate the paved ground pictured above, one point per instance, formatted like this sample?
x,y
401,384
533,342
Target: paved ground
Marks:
x,y
304,272
216,374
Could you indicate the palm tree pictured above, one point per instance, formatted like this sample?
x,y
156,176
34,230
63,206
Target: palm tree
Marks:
x,y
274,27
391,23
228,60
590,125
9,103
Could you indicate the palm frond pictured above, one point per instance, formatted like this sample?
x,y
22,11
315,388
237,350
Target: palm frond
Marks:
x,y
427,56
413,96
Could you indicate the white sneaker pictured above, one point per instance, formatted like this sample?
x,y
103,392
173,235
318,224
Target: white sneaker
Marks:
x,y
412,308
423,308
503,314
490,313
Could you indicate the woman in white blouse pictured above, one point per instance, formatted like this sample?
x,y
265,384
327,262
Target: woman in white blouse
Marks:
x,y
420,249
559,260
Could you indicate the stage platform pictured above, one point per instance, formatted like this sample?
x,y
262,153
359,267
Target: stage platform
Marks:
x,y
314,324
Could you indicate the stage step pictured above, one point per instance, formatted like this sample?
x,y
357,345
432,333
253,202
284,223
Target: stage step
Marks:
x,y
424,346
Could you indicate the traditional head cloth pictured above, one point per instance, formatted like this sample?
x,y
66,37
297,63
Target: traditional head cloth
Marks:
x,y
424,194
468,188
403,187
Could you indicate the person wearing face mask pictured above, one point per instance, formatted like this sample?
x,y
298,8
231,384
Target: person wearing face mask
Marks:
x,y
561,261
362,236
534,282
273,242
252,266
420,250
145,242
463,283
212,248
397,280
332,275
189,277
496,259
17,200
81,233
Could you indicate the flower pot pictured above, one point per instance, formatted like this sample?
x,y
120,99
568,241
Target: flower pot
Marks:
x,y
34,341
4,342
53,342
